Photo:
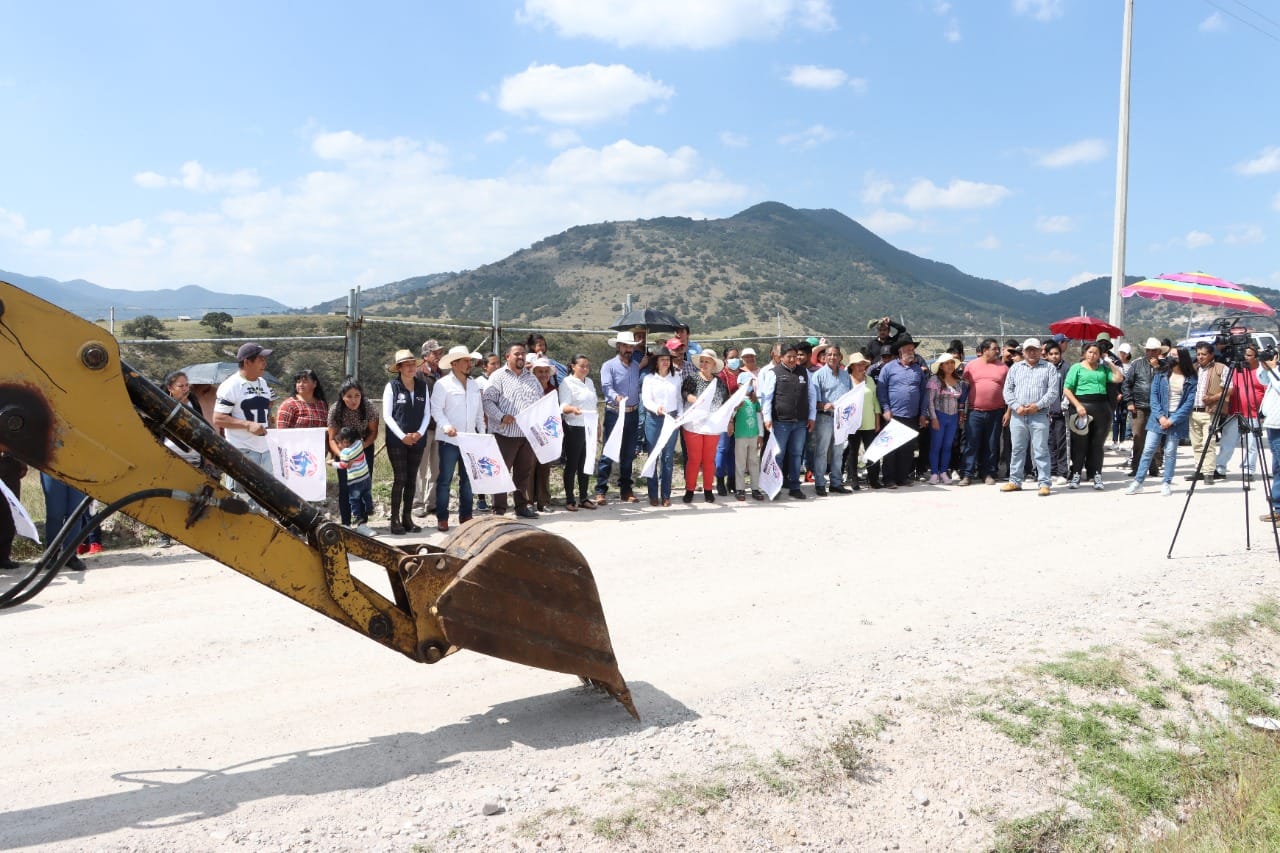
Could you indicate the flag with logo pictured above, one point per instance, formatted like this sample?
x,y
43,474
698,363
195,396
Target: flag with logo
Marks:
x,y
591,423
894,435
22,522
848,413
613,444
297,460
483,464
770,470
668,432
543,424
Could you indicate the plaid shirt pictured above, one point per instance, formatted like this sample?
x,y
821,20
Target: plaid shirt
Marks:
x,y
509,394
1026,386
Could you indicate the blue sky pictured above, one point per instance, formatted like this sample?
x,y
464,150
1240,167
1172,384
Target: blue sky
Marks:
x,y
298,149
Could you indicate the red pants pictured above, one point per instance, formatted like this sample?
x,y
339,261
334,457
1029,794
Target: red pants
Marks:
x,y
701,453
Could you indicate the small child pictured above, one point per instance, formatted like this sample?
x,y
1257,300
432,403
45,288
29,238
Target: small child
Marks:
x,y
359,480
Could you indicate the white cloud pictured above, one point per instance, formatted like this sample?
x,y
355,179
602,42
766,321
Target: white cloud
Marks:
x,y
360,213
623,162
729,139
952,32
494,137
192,176
1264,164
1198,239
1040,10
1051,286
1084,151
677,23
1213,24
580,94
817,77
1030,284
875,187
990,243
884,222
563,138
1054,224
925,195
810,137
13,228
1244,235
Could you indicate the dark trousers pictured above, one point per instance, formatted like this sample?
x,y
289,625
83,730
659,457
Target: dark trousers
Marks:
x,y
900,464
9,472
924,443
1140,417
517,453
60,501
1059,447
1006,442
404,472
863,438
1087,450
630,427
982,429
575,454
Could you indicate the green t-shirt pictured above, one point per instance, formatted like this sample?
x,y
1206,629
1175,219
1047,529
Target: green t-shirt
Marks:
x,y
745,422
1082,380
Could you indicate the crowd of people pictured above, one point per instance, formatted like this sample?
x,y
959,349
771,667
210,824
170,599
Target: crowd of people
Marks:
x,y
1014,414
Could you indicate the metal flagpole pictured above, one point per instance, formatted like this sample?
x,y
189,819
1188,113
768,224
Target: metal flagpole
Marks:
x,y
1122,174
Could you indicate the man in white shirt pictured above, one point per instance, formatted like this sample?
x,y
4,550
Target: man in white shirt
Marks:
x,y
243,408
456,406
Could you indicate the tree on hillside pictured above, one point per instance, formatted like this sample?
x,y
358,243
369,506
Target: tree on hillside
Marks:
x,y
218,321
146,326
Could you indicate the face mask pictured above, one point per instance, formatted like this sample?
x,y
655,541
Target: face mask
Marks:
x,y
735,363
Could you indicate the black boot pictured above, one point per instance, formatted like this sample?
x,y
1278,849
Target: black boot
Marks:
x,y
397,527
688,497
733,482
709,496
720,487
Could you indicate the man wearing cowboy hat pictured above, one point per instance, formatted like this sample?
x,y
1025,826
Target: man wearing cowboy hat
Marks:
x,y
1030,392
620,387
424,495
512,389
901,388
1136,393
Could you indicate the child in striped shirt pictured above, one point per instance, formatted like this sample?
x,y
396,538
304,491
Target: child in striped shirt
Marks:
x,y
359,480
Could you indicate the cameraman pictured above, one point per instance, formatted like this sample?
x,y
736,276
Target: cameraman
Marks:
x,y
1270,411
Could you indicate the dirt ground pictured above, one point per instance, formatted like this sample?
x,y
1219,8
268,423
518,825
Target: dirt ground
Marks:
x,y
159,701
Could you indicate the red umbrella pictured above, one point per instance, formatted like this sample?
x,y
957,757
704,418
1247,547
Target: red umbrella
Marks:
x,y
1084,328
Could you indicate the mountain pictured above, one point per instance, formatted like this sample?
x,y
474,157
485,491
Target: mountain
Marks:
x,y
816,269
94,302
383,292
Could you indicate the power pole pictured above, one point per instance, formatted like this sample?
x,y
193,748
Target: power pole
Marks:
x,y
354,322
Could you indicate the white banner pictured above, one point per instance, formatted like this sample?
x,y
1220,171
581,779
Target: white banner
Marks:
x,y
665,437
591,420
848,412
21,521
894,435
613,444
770,470
718,421
543,424
297,460
483,464
700,409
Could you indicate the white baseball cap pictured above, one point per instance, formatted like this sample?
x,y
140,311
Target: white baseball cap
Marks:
x,y
1031,343
1125,348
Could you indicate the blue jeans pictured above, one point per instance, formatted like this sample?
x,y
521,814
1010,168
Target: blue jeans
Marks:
x,y
827,455
1273,440
791,439
1033,428
360,499
725,464
1154,442
940,442
60,500
661,479
450,458
1231,440
630,426
983,451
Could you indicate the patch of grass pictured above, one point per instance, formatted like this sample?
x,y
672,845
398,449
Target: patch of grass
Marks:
x,y
1152,695
1238,695
1267,612
613,827
848,752
1088,670
1037,833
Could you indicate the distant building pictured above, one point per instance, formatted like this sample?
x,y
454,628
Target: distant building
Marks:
x,y
183,318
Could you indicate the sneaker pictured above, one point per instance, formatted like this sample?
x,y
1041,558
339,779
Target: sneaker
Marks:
x,y
1011,487
934,479
990,481
95,548
363,530
1166,490
1097,482
1044,491
421,512
1075,482
965,481
1064,480
1134,488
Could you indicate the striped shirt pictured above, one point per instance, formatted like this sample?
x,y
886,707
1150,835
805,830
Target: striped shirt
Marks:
x,y
509,393
1028,385
351,458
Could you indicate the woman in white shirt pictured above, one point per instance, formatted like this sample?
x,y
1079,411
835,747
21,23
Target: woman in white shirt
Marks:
x,y
660,394
577,395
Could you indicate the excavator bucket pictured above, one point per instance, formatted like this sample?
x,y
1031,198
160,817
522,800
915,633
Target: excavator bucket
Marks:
x,y
528,596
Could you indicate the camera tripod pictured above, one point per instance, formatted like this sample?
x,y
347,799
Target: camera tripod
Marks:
x,y
1248,432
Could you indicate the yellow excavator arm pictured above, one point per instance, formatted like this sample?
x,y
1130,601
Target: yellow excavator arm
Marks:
x,y
70,407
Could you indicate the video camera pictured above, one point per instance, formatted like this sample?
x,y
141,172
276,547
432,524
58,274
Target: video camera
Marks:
x,y
1233,338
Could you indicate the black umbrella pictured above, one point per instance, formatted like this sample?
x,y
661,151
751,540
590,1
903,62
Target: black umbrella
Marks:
x,y
213,372
651,319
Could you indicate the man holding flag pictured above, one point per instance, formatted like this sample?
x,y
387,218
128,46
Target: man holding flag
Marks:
x,y
826,386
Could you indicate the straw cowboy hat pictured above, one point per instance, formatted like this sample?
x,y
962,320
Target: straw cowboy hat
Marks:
x,y
856,357
941,360
624,338
401,356
453,355
711,354
1079,424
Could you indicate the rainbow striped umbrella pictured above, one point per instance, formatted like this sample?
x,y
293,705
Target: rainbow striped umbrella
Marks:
x,y
1199,289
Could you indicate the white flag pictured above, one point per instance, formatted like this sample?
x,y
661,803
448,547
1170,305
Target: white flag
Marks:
x,y
483,464
591,422
770,470
297,460
668,432
22,522
718,421
894,435
700,409
613,444
848,412
543,424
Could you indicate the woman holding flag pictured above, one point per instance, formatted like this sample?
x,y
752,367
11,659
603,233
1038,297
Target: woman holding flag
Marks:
x,y
701,440
660,395
577,399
